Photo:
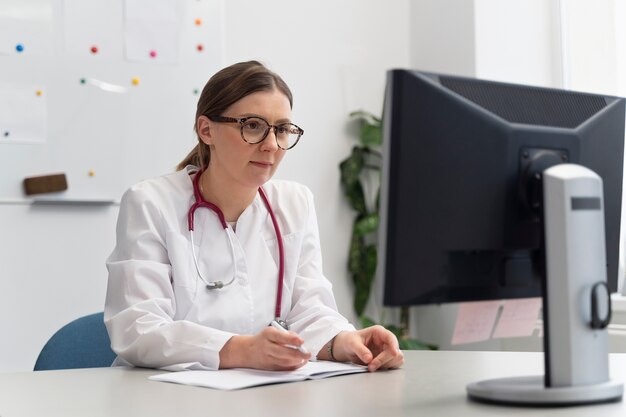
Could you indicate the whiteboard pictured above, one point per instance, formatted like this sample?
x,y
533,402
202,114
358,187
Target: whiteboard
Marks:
x,y
68,103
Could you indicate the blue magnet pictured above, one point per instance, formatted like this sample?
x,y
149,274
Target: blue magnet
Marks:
x,y
19,47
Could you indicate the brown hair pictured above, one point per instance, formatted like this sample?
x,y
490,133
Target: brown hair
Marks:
x,y
225,88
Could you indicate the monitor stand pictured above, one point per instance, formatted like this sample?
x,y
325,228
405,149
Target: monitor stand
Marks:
x,y
531,391
576,301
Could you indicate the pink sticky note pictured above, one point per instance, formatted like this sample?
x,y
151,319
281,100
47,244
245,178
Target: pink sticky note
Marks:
x,y
474,321
518,318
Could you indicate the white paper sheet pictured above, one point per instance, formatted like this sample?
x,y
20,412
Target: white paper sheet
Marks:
x,y
23,113
28,23
475,321
151,31
231,379
519,318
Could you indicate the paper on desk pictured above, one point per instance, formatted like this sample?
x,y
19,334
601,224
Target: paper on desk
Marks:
x,y
231,379
518,318
474,321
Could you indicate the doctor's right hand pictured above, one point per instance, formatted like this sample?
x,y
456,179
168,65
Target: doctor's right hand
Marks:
x,y
268,349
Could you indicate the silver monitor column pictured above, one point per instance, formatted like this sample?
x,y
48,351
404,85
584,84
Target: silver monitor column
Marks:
x,y
577,300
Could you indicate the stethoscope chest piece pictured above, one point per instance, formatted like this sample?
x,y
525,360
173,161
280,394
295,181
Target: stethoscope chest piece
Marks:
x,y
282,323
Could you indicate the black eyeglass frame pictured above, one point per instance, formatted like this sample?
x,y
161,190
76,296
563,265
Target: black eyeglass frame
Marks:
x,y
243,120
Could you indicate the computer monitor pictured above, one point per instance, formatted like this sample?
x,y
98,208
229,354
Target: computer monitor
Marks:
x,y
461,190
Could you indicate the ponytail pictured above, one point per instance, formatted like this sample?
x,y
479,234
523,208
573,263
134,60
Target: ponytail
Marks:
x,y
199,156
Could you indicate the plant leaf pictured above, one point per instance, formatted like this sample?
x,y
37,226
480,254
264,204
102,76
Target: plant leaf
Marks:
x,y
413,344
395,330
361,292
367,322
365,116
364,278
350,169
367,224
354,255
371,135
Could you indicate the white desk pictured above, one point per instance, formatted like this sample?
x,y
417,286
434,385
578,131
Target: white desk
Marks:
x,y
430,384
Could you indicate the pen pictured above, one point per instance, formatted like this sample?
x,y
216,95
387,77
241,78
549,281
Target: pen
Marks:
x,y
277,325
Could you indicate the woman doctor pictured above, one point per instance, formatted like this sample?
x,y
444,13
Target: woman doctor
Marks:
x,y
207,257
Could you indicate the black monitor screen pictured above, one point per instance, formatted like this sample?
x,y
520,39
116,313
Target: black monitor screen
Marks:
x,y
460,213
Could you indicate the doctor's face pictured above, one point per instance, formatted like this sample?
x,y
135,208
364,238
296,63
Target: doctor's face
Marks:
x,y
240,162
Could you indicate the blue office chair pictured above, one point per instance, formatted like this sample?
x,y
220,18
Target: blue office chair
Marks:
x,y
83,343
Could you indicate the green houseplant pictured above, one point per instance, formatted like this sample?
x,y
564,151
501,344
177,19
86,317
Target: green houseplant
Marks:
x,y
361,173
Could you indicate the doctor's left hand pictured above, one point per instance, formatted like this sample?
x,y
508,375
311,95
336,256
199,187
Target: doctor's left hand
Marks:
x,y
373,346
269,350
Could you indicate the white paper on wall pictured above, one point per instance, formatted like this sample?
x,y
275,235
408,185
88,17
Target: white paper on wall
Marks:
x,y
475,321
518,318
22,114
151,31
27,24
93,28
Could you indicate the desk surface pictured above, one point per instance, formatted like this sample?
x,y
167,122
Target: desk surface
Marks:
x,y
430,384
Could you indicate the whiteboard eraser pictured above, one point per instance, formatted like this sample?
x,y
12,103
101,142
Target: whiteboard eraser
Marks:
x,y
45,184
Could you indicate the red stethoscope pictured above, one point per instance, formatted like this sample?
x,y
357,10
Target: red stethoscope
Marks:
x,y
215,285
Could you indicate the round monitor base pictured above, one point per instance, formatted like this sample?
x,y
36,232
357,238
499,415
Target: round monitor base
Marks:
x,y
531,391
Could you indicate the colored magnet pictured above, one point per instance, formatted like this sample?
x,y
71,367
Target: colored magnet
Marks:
x,y
19,47
94,49
153,54
196,91
91,173
83,80
39,93
200,47
135,81
198,22
6,134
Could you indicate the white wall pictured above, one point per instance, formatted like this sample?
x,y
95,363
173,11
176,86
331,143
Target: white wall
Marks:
x,y
442,36
518,41
333,54
590,46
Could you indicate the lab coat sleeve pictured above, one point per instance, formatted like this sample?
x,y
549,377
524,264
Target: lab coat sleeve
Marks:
x,y
140,303
314,314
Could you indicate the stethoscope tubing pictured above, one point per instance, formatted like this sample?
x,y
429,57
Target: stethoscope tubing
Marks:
x,y
200,202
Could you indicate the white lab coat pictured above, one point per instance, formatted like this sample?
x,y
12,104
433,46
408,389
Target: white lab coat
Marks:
x,y
158,312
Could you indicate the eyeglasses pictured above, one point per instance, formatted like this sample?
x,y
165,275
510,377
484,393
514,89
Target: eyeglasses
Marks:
x,y
255,130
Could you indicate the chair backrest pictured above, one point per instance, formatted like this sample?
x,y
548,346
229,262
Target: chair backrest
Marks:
x,y
83,343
